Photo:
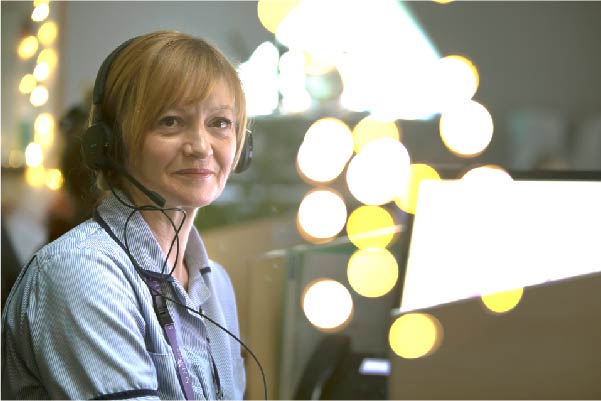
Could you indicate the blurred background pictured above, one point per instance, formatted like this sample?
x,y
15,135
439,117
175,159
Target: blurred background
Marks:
x,y
354,104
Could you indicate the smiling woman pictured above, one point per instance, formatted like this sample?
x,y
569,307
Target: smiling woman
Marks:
x,y
188,154
169,125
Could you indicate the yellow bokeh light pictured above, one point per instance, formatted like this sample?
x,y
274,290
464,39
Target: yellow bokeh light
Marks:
x,y
34,156
489,174
40,12
327,304
415,335
272,12
443,1
371,227
418,172
372,272
27,84
44,130
54,179
379,172
35,176
41,71
327,147
49,57
47,33
39,96
28,47
504,301
466,129
38,2
458,80
370,128
322,214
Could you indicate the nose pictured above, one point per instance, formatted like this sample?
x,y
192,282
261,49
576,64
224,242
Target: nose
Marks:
x,y
198,143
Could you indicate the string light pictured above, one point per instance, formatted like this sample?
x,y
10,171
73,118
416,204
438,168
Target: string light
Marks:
x,y
36,174
47,33
28,47
39,96
41,12
27,84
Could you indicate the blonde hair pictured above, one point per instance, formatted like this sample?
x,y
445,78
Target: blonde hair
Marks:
x,y
154,73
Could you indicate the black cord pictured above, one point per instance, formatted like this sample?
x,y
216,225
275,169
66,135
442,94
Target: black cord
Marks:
x,y
152,290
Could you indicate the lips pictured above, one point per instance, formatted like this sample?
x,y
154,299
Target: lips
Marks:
x,y
195,172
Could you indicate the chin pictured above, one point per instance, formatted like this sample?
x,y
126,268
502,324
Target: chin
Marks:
x,y
195,201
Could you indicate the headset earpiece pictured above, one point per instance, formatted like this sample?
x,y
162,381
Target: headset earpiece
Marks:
x,y
246,154
97,140
96,146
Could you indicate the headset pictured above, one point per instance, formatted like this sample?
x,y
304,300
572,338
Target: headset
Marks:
x,y
98,139
97,145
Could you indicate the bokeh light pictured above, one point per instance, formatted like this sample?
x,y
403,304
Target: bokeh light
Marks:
x,y
35,176
54,179
291,82
39,96
504,301
458,81
372,272
27,84
33,154
259,76
41,71
489,174
327,304
379,172
370,128
322,214
40,12
43,127
418,172
415,335
47,33
49,57
466,128
371,227
327,147
272,12
28,47
318,65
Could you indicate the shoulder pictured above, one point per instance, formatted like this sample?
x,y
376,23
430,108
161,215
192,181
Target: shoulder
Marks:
x,y
86,249
83,264
219,276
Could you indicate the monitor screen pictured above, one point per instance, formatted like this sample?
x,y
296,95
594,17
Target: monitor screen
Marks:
x,y
469,240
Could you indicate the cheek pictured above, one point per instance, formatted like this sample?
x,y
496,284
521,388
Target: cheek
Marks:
x,y
228,156
154,155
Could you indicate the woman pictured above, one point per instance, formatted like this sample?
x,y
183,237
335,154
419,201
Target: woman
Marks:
x,y
82,322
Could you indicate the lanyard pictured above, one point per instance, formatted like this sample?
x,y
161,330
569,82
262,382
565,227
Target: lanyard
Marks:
x,y
163,316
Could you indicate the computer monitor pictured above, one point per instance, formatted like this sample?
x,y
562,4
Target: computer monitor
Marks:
x,y
468,240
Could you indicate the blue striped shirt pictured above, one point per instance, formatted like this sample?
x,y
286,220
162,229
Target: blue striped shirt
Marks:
x,y
80,324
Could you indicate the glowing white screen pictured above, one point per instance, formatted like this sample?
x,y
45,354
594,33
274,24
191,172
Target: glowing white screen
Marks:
x,y
469,240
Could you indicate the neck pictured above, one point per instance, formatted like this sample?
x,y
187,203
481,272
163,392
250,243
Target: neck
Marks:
x,y
163,226
165,234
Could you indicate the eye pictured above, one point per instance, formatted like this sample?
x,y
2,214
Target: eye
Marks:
x,y
170,122
222,123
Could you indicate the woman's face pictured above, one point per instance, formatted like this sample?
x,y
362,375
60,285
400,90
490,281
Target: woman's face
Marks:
x,y
187,155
